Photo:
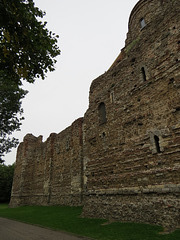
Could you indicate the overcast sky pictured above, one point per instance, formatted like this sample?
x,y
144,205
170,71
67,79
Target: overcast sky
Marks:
x,y
92,33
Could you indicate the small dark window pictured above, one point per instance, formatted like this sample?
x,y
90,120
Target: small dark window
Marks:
x,y
103,134
143,73
102,113
171,80
142,23
156,140
67,145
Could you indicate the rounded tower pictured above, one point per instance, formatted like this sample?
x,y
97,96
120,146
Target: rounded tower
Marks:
x,y
144,13
131,128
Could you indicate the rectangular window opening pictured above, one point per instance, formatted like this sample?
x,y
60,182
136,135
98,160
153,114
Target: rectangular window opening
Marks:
x,y
156,140
143,73
142,23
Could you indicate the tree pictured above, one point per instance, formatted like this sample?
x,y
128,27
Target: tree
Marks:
x,y
6,180
10,106
27,51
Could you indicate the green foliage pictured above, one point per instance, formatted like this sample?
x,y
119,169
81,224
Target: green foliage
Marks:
x,y
68,219
10,106
27,47
6,179
132,44
27,51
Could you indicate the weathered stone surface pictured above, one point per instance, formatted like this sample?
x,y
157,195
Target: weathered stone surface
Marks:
x,y
122,161
49,173
133,159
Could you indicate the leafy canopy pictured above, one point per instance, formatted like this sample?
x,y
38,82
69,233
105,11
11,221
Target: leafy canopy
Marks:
x,y
6,180
27,52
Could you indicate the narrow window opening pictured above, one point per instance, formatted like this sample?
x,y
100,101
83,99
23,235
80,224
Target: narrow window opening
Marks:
x,y
67,145
156,140
112,97
142,23
102,113
143,73
103,134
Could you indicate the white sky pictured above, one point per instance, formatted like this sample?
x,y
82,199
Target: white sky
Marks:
x,y
92,33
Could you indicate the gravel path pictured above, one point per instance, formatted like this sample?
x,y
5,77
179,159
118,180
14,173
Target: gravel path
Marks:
x,y
12,230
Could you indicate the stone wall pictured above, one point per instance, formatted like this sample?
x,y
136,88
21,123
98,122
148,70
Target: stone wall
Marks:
x,y
132,158
49,173
122,160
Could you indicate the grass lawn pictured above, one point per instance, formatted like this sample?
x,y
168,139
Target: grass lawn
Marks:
x,y
68,219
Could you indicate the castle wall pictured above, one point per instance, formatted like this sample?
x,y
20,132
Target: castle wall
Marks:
x,y
132,157
49,173
122,160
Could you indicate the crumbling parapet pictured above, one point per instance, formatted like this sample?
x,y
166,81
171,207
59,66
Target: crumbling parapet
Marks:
x,y
49,173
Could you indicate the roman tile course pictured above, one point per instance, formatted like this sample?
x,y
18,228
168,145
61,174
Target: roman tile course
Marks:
x,y
122,160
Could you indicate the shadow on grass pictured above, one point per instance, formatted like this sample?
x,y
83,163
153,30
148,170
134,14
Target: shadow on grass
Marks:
x,y
68,219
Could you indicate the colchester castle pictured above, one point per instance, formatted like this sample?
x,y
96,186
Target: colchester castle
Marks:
x,y
121,161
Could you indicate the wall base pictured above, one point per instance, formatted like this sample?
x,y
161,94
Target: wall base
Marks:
x,y
161,210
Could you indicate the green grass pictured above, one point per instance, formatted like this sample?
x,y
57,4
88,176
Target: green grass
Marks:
x,y
68,219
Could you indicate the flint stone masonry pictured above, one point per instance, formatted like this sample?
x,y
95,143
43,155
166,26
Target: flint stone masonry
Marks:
x,y
122,160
